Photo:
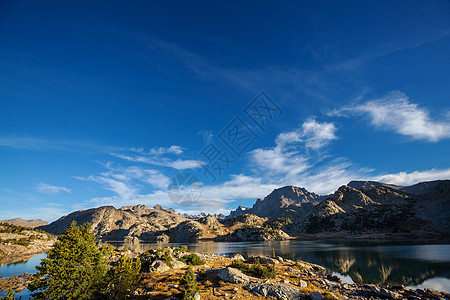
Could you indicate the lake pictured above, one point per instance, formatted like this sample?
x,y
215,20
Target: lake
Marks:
x,y
413,265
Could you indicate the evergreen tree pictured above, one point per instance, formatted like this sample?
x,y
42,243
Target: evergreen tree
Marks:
x,y
75,268
124,279
189,283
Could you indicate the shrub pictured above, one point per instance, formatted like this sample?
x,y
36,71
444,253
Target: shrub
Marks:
x,y
124,279
10,228
183,248
298,266
166,256
256,270
192,259
189,284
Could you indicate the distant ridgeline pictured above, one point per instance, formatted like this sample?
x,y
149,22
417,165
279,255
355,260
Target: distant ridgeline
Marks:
x,y
361,207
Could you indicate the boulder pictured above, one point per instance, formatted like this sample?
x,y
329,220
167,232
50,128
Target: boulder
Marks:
x,y
233,275
390,294
278,291
238,257
163,238
263,260
177,264
302,283
160,266
315,296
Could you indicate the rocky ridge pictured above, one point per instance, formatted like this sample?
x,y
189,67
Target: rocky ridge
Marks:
x,y
25,223
359,208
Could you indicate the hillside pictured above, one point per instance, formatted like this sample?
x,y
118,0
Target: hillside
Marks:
x,y
19,243
25,223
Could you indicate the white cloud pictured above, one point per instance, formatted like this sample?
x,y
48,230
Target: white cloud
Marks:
x,y
288,156
404,178
395,112
318,135
51,189
179,164
161,150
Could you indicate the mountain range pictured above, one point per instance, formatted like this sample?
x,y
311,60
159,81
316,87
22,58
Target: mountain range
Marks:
x,y
360,207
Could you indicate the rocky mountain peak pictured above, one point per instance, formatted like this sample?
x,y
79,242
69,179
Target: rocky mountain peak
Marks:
x,y
288,200
351,199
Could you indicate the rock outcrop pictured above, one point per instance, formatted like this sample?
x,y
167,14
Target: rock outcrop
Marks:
x,y
187,231
109,223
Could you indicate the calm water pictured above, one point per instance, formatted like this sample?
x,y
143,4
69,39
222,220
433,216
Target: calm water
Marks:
x,y
413,265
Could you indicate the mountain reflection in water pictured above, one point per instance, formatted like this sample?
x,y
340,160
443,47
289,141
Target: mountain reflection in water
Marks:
x,y
364,262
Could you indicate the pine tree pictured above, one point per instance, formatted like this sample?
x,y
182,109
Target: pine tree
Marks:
x,y
124,278
189,283
75,268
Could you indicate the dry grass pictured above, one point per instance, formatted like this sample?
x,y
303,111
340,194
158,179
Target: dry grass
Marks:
x,y
163,286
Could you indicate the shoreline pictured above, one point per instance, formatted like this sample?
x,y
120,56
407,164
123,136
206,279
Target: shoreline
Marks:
x,y
294,280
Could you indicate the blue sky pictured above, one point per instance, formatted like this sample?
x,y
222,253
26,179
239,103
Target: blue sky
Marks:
x,y
103,103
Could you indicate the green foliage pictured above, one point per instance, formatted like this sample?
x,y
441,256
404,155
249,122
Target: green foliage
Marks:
x,y
49,235
124,279
183,248
107,249
9,295
166,256
298,266
10,228
189,284
256,270
74,268
192,259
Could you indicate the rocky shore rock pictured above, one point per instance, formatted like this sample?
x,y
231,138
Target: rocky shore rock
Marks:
x,y
278,291
234,276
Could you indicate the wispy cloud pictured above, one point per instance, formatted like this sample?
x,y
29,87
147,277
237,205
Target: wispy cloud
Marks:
x,y
179,164
51,189
404,178
161,150
40,143
395,112
160,156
